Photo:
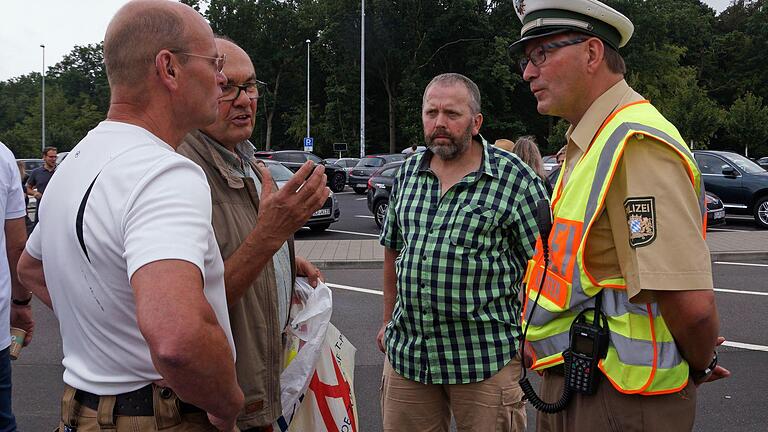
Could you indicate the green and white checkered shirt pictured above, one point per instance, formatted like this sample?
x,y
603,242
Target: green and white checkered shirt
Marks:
x,y
461,262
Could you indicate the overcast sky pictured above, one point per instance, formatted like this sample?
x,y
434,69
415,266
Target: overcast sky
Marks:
x,y
60,25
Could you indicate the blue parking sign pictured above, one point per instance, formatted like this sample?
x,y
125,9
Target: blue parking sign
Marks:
x,y
309,143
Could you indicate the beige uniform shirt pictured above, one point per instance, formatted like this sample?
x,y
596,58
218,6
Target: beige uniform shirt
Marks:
x,y
678,258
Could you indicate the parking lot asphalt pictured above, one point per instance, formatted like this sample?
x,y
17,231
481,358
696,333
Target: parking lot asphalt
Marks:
x,y
736,404
352,242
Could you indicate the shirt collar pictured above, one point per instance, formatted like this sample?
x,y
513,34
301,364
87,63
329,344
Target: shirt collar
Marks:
x,y
227,163
593,118
488,165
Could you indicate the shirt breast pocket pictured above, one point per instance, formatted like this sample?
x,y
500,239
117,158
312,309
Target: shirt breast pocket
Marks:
x,y
473,227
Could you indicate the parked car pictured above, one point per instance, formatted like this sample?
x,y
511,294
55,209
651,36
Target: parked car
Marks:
x,y
347,164
740,183
360,174
379,188
60,157
30,164
294,159
322,219
715,209
549,163
763,162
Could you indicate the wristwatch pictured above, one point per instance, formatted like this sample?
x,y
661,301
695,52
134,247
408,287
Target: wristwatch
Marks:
x,y
22,302
699,376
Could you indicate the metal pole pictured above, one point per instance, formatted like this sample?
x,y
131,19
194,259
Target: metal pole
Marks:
x,y
43,100
308,88
362,79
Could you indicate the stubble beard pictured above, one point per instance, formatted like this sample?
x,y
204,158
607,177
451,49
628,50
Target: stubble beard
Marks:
x,y
457,146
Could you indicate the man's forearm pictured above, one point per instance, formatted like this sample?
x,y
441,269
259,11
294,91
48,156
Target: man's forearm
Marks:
x,y
188,346
692,318
205,370
15,239
390,283
32,277
248,261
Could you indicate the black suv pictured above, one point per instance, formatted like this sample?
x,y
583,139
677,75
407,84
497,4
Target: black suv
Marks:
x,y
379,188
358,177
739,182
294,159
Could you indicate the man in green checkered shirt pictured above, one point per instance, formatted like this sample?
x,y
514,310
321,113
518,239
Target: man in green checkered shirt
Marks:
x,y
458,233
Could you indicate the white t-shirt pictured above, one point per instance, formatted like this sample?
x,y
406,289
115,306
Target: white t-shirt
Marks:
x,y
147,204
12,207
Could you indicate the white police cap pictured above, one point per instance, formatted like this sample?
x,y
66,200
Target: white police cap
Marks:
x,y
547,17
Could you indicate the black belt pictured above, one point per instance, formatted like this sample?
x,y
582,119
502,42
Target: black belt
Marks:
x,y
136,403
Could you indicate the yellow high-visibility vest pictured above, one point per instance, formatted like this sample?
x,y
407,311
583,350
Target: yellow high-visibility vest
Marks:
x,y
642,357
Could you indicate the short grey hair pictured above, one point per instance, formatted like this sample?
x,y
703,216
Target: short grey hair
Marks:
x,y
455,78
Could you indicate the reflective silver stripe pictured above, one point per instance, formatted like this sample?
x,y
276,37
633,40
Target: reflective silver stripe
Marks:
x,y
616,303
541,22
680,146
551,345
638,352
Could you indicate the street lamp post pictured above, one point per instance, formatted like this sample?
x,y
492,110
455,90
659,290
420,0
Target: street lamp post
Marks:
x,y
308,88
43,100
362,79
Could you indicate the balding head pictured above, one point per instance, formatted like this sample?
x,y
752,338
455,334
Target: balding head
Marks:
x,y
140,29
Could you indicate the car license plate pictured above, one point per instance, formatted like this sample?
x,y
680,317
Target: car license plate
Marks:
x,y
719,214
322,212
363,185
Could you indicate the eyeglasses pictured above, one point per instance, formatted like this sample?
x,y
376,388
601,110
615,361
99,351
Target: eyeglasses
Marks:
x,y
538,55
231,92
218,62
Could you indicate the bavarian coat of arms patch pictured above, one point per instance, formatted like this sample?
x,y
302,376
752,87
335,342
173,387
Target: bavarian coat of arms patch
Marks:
x,y
641,218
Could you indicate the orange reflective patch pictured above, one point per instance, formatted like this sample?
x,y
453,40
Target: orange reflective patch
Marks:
x,y
555,288
563,244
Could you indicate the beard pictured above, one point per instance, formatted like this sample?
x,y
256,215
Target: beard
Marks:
x,y
456,146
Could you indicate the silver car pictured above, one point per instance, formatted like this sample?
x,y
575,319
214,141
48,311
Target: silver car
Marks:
x,y
322,219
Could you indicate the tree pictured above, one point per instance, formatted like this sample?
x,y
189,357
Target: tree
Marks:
x,y
747,123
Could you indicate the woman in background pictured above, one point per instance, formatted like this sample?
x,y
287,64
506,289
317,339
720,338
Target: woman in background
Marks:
x,y
526,149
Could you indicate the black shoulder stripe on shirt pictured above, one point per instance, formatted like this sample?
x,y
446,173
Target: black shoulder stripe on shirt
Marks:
x,y
79,220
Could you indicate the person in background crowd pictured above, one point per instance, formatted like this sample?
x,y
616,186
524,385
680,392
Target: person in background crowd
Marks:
x,y
504,144
39,177
15,310
457,234
254,227
127,257
639,238
526,149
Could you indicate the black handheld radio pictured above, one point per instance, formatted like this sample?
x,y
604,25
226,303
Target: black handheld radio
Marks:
x,y
588,341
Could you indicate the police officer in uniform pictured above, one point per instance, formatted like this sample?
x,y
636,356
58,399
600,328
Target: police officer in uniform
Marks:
x,y
634,240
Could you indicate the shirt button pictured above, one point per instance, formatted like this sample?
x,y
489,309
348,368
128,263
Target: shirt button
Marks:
x,y
423,257
426,337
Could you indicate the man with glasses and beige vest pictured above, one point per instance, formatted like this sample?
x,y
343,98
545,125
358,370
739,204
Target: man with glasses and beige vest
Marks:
x,y
254,225
626,243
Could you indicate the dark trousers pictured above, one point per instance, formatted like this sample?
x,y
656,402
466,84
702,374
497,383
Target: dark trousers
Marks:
x,y
7,420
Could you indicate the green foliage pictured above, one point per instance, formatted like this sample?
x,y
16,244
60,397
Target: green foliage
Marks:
x,y
705,72
747,122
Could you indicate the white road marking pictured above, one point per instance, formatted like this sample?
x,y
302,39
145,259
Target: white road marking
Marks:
x,y
747,346
352,232
741,264
364,216
343,193
742,292
726,230
351,288
742,345
361,199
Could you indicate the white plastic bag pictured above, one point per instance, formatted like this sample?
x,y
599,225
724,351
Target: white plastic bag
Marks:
x,y
307,331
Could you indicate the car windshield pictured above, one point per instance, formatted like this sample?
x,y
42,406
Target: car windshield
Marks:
x,y
745,164
371,162
279,172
